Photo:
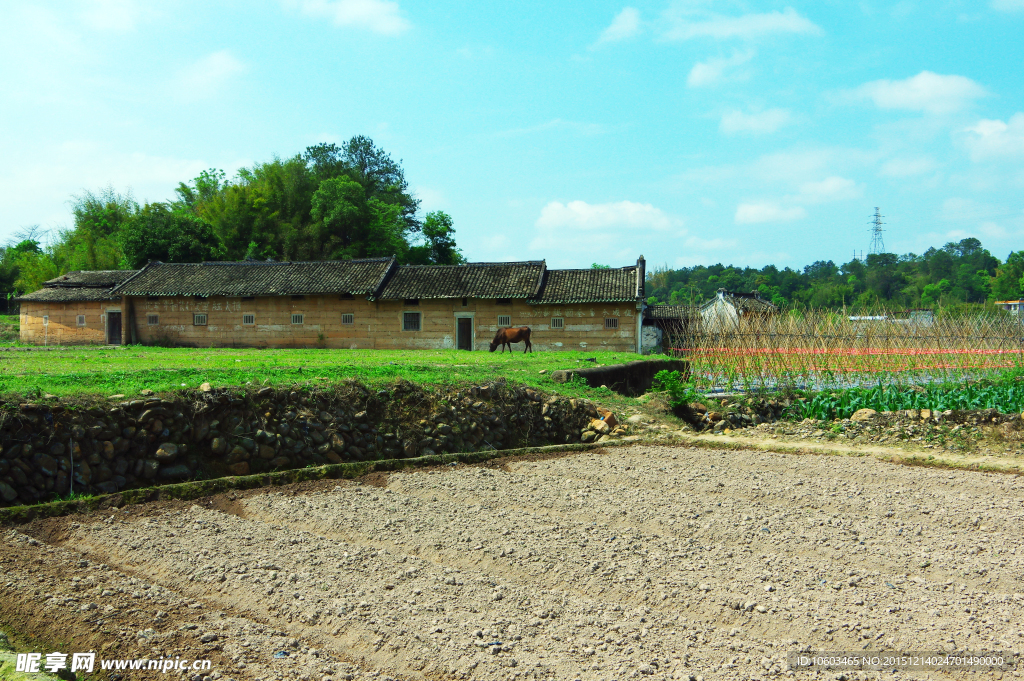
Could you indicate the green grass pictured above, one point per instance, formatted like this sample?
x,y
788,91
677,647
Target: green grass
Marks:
x,y
129,369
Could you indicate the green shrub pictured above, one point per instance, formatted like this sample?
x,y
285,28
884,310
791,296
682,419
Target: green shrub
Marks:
x,y
681,392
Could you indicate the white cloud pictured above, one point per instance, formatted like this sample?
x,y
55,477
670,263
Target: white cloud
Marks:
x,y
931,92
907,167
624,26
714,69
685,25
380,16
833,188
1008,5
756,213
603,232
205,77
592,217
759,123
994,138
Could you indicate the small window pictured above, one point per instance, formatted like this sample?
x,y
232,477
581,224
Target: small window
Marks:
x,y
298,298
611,323
504,320
152,319
248,319
503,301
557,323
198,320
410,321
348,318
346,296
81,320
248,297
465,302
198,297
296,319
412,301
152,297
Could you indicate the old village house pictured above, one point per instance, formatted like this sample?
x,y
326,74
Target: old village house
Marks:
x,y
372,303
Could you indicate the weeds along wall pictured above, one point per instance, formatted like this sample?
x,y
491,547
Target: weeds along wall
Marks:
x,y
820,349
51,450
334,322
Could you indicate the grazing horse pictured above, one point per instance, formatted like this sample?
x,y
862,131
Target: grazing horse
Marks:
x,y
509,336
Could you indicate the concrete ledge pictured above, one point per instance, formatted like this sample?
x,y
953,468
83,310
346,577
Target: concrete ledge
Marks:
x,y
631,378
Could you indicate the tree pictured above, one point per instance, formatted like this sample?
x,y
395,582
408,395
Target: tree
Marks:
x,y
595,266
439,249
93,243
1009,280
933,293
202,190
341,214
381,177
158,232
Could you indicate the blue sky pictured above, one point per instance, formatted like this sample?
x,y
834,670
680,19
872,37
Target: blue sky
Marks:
x,y
690,132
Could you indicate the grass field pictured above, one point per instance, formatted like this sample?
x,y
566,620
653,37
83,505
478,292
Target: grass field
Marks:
x,y
129,369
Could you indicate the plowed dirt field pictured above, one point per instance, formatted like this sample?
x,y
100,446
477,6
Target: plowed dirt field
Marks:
x,y
641,561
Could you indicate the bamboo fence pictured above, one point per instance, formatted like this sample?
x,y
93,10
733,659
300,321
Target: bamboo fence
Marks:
x,y
819,349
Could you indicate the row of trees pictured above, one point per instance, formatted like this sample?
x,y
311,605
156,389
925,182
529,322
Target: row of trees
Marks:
x,y
958,274
331,202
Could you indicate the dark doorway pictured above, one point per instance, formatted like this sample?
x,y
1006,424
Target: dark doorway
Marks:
x,y
465,333
113,328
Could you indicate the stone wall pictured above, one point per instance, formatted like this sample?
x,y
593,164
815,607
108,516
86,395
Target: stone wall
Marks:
x,y
49,450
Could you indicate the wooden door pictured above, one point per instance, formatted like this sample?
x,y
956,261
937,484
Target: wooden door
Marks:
x,y
464,333
113,328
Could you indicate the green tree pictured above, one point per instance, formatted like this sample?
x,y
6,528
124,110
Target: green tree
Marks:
x,y
1009,280
93,242
158,232
439,248
341,217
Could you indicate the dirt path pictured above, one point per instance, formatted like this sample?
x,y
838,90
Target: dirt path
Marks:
x,y
653,561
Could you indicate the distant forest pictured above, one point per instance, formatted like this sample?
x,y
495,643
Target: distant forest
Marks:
x,y
331,202
960,275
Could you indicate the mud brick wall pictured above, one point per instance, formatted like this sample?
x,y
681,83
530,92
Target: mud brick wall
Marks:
x,y
170,320
50,450
63,328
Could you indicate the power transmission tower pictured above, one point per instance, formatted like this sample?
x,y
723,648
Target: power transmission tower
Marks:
x,y
877,245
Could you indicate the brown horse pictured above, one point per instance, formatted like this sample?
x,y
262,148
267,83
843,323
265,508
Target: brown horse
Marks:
x,y
509,336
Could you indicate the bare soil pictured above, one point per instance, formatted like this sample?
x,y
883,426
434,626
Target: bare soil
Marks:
x,y
654,561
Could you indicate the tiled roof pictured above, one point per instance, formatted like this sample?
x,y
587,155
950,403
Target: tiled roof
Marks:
x,y
90,279
59,294
670,312
604,285
473,280
358,277
79,286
